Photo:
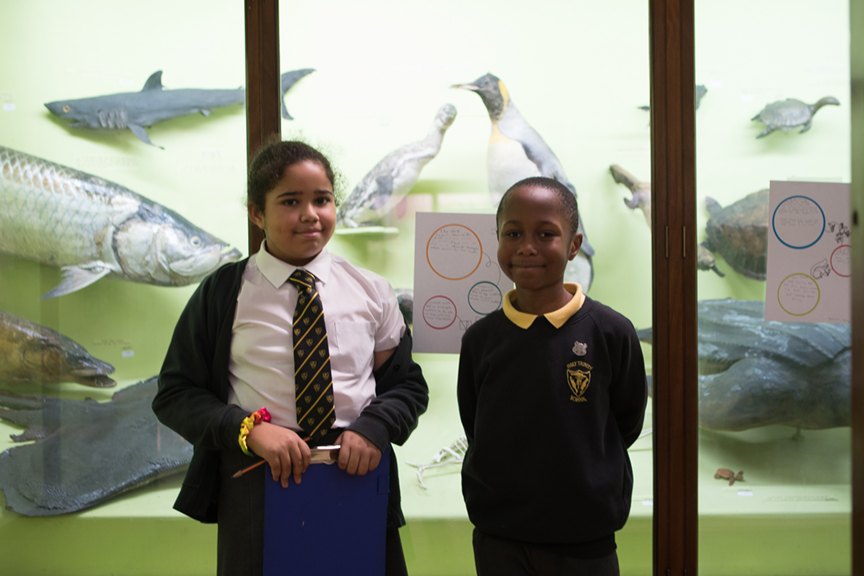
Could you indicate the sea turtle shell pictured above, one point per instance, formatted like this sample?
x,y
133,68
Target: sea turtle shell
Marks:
x,y
790,113
739,233
785,114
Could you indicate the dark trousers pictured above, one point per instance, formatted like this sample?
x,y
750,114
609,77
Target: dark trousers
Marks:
x,y
241,522
499,557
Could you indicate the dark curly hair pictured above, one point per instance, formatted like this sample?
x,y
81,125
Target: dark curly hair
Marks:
x,y
269,165
567,199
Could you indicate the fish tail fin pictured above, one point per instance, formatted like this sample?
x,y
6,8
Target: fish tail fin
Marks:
x,y
288,80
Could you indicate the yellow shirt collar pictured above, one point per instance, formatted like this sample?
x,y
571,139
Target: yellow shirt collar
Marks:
x,y
556,318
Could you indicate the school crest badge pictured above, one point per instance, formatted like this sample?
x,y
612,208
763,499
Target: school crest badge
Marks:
x,y
578,378
580,348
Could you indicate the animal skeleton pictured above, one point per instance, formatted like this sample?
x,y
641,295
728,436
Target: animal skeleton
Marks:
x,y
453,454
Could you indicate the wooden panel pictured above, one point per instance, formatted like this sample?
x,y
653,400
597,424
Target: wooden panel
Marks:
x,y
263,85
674,362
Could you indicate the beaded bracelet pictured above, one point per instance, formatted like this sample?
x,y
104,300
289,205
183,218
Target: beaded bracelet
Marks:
x,y
248,423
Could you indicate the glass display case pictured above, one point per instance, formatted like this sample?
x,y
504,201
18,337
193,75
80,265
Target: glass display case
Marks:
x,y
578,73
580,88
193,173
791,512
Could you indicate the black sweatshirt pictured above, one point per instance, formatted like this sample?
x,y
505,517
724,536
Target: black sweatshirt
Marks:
x,y
549,414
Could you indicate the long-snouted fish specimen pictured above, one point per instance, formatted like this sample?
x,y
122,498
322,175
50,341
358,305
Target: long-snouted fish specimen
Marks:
x,y
641,199
394,176
86,452
94,228
138,110
33,353
755,372
516,151
790,113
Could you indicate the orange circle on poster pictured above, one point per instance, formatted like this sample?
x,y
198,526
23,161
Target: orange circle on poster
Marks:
x,y
450,252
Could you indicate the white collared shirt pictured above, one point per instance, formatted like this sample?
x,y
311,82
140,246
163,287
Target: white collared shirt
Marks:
x,y
361,316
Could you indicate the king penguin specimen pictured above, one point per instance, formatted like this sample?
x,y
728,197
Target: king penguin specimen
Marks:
x,y
516,151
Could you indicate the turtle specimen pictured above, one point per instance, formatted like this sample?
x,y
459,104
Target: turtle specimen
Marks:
x,y
755,372
790,113
641,198
85,452
739,233
727,474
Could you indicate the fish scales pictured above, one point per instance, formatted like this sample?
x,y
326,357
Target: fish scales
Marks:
x,y
33,353
94,228
53,213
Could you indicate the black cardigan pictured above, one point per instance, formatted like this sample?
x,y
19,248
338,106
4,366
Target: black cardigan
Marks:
x,y
193,393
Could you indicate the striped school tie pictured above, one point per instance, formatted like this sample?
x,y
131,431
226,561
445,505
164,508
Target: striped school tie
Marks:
x,y
313,386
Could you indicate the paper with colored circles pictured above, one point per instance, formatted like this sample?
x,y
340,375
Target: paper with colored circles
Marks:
x,y
457,279
809,255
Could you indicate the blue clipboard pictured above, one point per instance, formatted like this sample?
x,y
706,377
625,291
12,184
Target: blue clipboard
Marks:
x,y
331,523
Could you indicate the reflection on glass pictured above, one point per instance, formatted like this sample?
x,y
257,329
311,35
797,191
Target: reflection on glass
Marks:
x,y
774,460
572,85
383,79
122,174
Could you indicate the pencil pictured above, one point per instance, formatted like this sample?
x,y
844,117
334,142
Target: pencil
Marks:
x,y
253,466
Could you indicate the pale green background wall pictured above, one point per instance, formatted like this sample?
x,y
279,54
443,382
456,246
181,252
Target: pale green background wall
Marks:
x,y
576,70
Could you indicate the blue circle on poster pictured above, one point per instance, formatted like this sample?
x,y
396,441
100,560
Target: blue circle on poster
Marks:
x,y
798,222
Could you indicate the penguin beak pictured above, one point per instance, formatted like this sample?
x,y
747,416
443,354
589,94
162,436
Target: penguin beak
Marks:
x,y
472,87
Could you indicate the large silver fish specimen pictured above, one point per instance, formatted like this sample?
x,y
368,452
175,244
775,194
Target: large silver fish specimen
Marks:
x,y
138,110
755,372
517,151
392,178
85,452
32,353
93,228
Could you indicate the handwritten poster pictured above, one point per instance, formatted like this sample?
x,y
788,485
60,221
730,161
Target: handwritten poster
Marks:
x,y
457,280
809,257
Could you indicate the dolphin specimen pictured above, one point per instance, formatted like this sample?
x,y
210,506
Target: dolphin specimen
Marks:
x,y
137,110
394,176
85,452
94,228
30,352
516,151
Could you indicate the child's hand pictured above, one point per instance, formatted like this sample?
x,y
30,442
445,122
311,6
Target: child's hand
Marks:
x,y
357,454
283,449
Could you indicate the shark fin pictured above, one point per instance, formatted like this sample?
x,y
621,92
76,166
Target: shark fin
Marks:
x,y
78,277
288,79
142,135
205,112
154,82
